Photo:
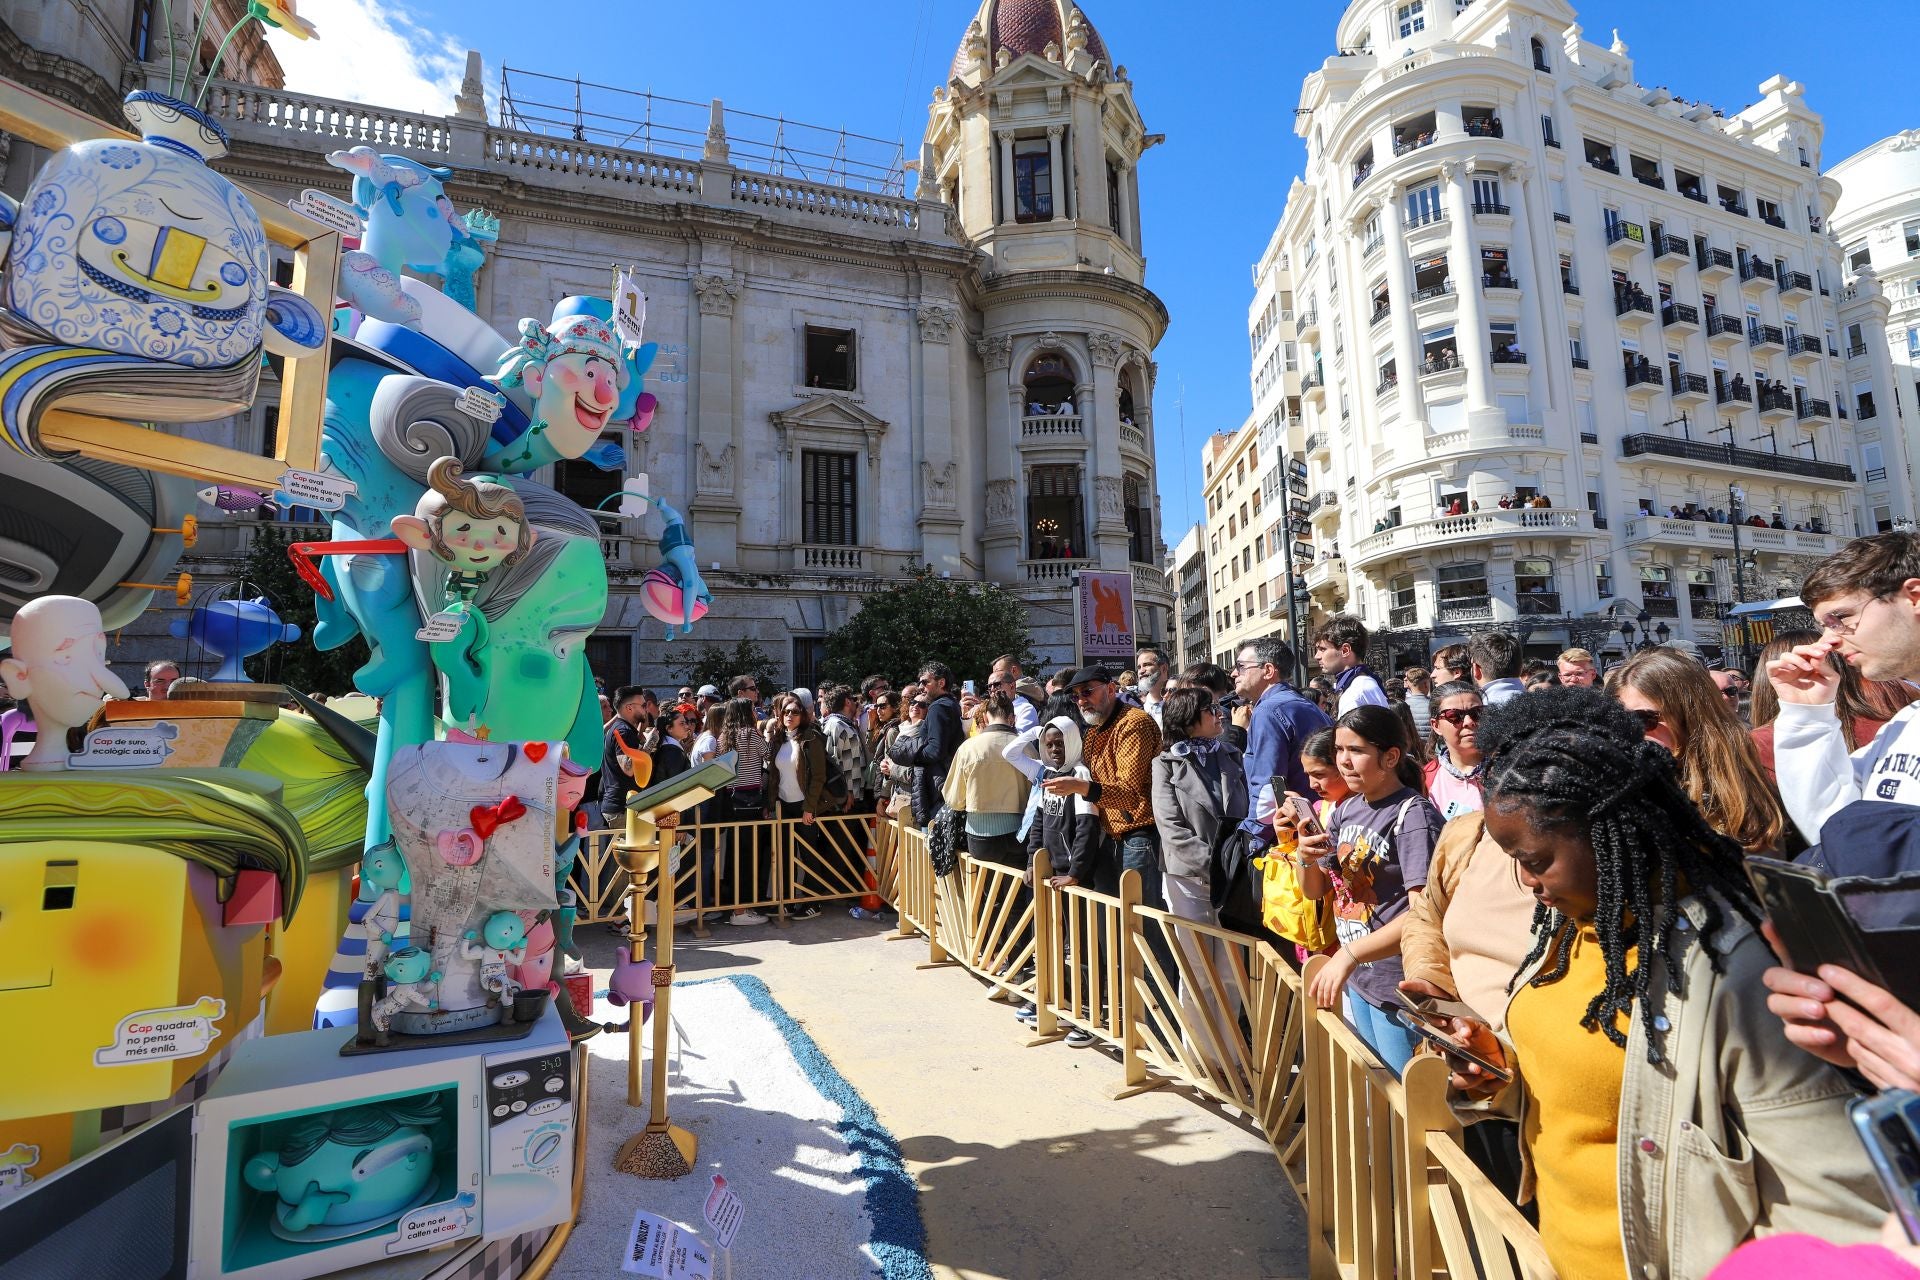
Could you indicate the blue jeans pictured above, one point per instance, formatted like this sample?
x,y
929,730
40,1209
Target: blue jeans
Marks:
x,y
1391,1042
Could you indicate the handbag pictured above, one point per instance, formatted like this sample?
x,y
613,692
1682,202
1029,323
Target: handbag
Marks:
x,y
1233,881
946,835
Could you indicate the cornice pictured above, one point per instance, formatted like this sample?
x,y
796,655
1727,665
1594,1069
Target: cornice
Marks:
x,y
73,83
1075,284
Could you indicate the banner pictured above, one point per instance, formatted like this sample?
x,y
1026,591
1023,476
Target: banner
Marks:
x,y
629,308
1103,615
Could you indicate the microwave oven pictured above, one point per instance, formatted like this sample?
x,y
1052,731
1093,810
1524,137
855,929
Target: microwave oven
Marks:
x,y
299,1163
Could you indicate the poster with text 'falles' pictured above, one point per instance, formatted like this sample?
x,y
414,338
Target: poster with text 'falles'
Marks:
x,y
1103,615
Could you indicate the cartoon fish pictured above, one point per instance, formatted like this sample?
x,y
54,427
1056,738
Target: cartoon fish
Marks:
x,y
233,498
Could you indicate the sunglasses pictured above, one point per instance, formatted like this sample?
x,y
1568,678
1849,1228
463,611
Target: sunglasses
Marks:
x,y
1461,715
1731,693
919,706
1649,719
791,711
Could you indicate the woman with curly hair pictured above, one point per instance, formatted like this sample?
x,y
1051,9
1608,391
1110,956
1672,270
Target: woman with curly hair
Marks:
x,y
1665,1118
1679,707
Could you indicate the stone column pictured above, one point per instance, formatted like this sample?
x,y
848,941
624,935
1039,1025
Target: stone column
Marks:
x,y
1057,173
1535,284
1470,329
1406,334
940,519
1893,443
1001,538
716,505
1100,414
1005,174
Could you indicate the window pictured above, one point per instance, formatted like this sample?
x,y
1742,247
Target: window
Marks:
x,y
1055,514
1423,205
583,482
1532,577
1411,17
1577,348
142,35
1547,135
1263,597
809,654
829,358
1540,62
1463,584
1858,256
1032,180
1400,592
1486,193
1883,519
1113,197
1656,582
1139,517
1912,234
610,657
827,511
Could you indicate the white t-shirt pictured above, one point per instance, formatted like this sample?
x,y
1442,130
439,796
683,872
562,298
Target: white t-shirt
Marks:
x,y
786,767
1362,691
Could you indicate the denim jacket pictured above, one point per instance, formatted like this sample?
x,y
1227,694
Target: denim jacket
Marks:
x,y
1737,1133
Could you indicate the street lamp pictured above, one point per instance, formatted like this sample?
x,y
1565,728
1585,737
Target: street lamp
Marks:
x,y
1659,635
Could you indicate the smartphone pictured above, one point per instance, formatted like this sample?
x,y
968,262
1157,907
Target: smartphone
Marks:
x,y
1814,926
1433,1012
966,687
1889,1128
1451,1047
1303,820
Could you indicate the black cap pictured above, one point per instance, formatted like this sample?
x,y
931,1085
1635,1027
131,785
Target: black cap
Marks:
x,y
1090,675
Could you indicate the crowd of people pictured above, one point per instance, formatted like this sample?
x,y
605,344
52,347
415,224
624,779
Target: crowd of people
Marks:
x,y
1545,871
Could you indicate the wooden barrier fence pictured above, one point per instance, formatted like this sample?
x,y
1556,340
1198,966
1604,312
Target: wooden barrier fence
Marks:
x,y
1389,1191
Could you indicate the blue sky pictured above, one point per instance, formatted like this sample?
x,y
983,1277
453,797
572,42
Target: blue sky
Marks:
x,y
1219,79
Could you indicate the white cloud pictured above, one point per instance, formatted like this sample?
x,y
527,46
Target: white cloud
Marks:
x,y
377,55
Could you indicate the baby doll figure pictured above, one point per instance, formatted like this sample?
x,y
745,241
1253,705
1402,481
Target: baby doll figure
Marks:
x,y
471,525
410,983
382,868
499,942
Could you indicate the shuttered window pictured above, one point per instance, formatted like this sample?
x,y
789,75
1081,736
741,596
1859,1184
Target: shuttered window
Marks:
x,y
828,515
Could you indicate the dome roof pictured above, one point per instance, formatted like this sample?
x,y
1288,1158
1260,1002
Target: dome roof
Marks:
x,y
1028,26
1888,169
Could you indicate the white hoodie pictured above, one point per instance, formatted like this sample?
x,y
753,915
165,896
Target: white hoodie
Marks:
x,y
1817,777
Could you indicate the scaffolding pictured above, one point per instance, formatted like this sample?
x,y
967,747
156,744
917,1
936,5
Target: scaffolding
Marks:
x,y
633,120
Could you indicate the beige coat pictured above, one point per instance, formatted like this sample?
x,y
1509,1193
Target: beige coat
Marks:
x,y
981,779
1737,1133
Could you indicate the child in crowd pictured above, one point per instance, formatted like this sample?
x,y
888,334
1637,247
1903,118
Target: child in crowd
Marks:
x,y
1068,827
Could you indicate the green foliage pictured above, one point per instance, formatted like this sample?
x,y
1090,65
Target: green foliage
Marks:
x,y
299,665
963,624
716,664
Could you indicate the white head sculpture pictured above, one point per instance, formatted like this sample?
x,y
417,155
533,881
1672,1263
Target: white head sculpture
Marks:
x,y
59,664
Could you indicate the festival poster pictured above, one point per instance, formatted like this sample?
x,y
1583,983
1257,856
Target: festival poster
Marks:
x,y
1103,615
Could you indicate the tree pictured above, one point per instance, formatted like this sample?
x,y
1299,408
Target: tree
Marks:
x,y
715,664
963,624
267,571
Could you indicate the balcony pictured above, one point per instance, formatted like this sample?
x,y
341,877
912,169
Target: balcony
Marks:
x,y
1678,315
1691,190
1569,288
1774,220
1803,346
1314,387
1317,444
1647,378
1498,280
1328,571
1660,606
1403,145
1537,604
1812,410
1876,474
1432,291
1604,163
1309,324
1372,246
1766,337
1799,282
1690,387
1426,218
1484,127
1775,402
1695,533
1361,173
1150,582
1325,500
1403,616
1754,271
1713,263
1733,393
1635,446
829,559
1723,328
1064,428
1856,349
1491,209
1735,206
1580,362
1465,609
1388,382
1626,235
1539,522
1636,307
1670,246
1509,357
1053,571
1132,437
1447,362
1381,312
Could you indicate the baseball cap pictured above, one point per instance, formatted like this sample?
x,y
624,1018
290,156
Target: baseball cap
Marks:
x,y
708,691
1090,675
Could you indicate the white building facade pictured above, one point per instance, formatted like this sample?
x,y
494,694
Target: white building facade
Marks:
x,y
855,379
1547,315
1243,604
1187,580
1877,223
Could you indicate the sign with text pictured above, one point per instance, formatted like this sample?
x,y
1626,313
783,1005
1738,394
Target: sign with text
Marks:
x,y
723,1211
312,489
1103,615
665,1251
182,1031
125,746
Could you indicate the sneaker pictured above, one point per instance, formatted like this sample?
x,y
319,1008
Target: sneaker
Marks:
x,y
1026,1013
746,917
1079,1039
803,913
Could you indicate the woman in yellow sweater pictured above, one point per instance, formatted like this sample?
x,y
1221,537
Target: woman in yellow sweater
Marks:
x,y
1664,1116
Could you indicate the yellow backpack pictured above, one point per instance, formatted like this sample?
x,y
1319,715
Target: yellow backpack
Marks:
x,y
1287,910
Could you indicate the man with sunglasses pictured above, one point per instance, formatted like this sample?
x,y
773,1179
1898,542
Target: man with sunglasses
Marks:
x,y
1283,719
930,754
1866,600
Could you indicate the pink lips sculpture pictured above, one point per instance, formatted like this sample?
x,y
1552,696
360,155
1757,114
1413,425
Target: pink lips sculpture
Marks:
x,y
660,593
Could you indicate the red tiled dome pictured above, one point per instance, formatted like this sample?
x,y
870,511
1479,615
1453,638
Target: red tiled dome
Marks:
x,y
1028,26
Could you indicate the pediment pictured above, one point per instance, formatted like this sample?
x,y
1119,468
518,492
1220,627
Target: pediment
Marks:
x,y
826,414
1029,71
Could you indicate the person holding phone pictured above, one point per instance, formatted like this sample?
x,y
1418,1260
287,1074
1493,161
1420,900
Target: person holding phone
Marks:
x,y
1664,1120
1378,846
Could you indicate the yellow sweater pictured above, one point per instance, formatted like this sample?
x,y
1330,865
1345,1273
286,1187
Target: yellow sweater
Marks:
x,y
1572,1125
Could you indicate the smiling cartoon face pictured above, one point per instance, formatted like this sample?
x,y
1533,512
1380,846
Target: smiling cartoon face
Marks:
x,y
577,398
478,545
139,250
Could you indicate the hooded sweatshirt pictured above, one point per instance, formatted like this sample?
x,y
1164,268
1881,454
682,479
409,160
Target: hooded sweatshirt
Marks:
x,y
1067,827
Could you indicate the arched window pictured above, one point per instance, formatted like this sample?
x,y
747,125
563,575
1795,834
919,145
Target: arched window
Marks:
x,y
1139,516
1126,396
1540,62
1049,385
1056,514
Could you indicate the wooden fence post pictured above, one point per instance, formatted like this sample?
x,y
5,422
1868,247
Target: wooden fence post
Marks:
x,y
1134,1067
1047,953
1424,1087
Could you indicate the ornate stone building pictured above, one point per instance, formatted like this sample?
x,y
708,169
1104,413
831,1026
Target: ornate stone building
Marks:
x,y
854,381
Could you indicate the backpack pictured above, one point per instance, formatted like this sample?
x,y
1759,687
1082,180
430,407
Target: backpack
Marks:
x,y
1233,882
1286,909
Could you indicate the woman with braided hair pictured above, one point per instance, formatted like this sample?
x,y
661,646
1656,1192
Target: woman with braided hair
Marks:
x,y
1665,1118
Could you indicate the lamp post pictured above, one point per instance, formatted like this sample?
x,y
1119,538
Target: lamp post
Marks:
x,y
1658,635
